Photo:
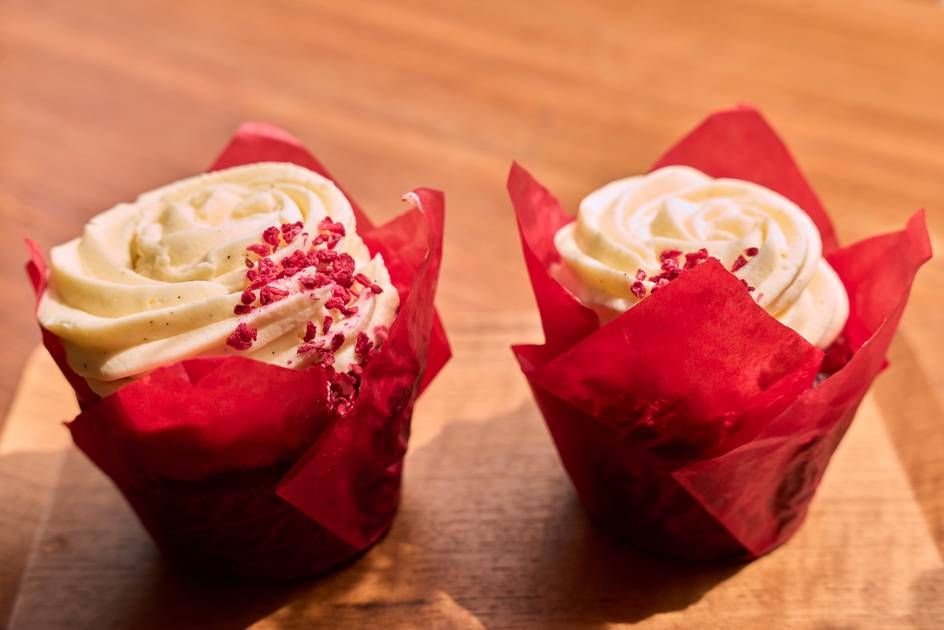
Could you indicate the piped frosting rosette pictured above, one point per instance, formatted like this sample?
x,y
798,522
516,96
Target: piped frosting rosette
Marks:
x,y
633,235
262,260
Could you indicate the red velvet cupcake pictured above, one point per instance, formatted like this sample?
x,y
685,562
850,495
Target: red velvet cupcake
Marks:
x,y
246,349
707,340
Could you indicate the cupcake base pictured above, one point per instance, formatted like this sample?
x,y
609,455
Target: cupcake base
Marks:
x,y
235,525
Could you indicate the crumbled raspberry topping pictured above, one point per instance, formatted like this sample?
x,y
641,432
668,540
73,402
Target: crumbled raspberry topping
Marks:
x,y
270,294
314,282
272,236
739,262
367,283
242,338
293,263
327,225
695,258
317,266
362,345
751,251
260,249
309,346
291,230
669,269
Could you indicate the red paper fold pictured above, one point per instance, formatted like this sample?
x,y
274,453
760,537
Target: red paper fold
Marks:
x,y
690,424
238,467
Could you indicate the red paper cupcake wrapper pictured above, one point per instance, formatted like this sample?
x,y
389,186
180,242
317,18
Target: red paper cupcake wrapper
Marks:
x,y
238,467
691,424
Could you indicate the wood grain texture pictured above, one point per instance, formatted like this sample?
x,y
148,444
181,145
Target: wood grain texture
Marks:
x,y
101,101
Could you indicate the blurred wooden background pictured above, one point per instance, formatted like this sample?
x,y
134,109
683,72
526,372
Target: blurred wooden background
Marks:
x,y
101,101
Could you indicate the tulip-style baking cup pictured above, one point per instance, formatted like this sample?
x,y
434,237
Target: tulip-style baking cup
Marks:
x,y
242,468
695,424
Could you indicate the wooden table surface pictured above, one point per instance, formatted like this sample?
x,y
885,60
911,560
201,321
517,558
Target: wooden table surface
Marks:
x,y
100,101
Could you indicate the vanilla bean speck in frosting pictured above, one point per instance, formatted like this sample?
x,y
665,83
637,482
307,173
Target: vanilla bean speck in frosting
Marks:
x,y
261,260
617,246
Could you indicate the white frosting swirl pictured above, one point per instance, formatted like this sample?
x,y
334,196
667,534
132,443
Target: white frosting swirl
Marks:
x,y
155,281
625,226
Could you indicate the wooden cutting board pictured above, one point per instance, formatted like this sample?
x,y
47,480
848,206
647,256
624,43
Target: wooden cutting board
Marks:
x,y
490,532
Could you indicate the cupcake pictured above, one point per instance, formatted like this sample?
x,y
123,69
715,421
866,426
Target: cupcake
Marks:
x,y
246,349
707,340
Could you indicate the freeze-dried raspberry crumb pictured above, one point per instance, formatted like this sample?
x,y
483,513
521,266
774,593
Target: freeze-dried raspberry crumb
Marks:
x,y
291,230
670,268
260,249
325,256
310,331
242,309
366,282
340,305
751,251
271,236
343,278
640,275
638,289
739,262
248,297
747,286
696,257
242,338
337,341
326,324
669,254
314,282
363,344
658,284
327,225
345,263
293,263
264,273
270,294
329,239
267,267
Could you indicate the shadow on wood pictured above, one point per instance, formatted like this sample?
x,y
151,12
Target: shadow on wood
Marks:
x,y
490,533
914,418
